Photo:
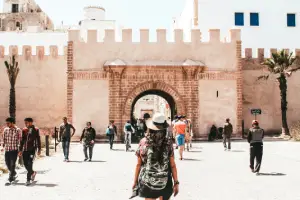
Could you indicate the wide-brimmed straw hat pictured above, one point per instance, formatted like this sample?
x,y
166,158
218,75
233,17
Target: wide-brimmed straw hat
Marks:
x,y
157,122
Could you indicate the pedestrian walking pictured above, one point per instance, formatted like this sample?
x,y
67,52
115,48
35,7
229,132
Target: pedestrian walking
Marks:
x,y
156,167
145,118
170,129
180,128
65,136
10,143
227,132
29,146
128,130
255,139
87,138
111,132
174,132
188,133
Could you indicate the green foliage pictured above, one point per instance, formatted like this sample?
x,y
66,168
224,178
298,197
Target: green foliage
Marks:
x,y
12,69
281,63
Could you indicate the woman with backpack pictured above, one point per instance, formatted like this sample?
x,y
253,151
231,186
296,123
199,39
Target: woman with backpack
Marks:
x,y
156,168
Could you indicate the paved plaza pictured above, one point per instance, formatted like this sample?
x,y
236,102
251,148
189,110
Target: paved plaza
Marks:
x,y
208,173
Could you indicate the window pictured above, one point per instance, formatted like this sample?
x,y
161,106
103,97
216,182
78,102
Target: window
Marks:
x,y
239,19
291,20
15,8
254,19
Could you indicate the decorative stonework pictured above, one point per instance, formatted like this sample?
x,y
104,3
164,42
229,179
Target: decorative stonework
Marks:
x,y
239,82
89,75
70,82
218,76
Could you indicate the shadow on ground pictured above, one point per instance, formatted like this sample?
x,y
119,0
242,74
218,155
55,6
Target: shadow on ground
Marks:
x,y
38,172
190,159
194,151
118,149
237,151
271,174
34,183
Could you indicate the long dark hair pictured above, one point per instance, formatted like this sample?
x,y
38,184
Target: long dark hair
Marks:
x,y
159,142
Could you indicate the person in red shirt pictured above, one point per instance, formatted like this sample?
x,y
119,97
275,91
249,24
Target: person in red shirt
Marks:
x,y
180,128
10,142
30,143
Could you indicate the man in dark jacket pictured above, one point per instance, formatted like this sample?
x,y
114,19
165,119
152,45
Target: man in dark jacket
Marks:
x,y
30,143
88,139
255,138
227,132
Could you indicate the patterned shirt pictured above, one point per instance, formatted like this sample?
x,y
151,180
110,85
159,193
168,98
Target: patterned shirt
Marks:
x,y
154,174
11,138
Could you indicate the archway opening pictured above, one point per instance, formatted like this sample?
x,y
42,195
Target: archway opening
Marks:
x,y
152,101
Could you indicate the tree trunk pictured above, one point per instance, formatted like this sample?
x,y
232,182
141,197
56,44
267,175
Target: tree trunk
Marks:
x,y
12,102
283,92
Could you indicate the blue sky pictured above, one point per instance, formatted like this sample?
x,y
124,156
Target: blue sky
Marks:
x,y
133,14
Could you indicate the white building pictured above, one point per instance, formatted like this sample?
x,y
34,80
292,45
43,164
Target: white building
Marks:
x,y
94,20
23,15
264,24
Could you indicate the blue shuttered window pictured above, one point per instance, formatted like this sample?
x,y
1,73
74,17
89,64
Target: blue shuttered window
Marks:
x,y
239,19
254,19
291,20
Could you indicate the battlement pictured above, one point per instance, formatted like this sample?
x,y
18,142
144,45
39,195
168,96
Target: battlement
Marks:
x,y
260,54
161,35
27,51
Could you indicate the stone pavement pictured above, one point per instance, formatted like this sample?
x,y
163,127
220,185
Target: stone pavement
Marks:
x,y
209,173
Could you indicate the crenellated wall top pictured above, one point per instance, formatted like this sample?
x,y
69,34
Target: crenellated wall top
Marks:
x,y
28,51
261,53
74,35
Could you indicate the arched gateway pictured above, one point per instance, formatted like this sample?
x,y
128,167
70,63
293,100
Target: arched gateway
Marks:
x,y
154,87
200,80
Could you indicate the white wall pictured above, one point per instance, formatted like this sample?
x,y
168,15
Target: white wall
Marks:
x,y
272,32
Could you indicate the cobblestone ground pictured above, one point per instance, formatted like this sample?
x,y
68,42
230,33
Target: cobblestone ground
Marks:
x,y
208,173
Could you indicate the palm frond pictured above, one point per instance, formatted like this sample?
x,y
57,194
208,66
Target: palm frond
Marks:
x,y
6,64
263,77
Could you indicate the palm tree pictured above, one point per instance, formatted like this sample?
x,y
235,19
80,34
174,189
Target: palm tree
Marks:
x,y
12,71
282,65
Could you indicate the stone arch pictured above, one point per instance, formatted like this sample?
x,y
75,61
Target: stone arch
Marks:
x,y
153,85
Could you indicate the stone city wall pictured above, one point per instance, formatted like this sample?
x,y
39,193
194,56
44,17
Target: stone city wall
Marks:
x,y
41,88
73,81
265,94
